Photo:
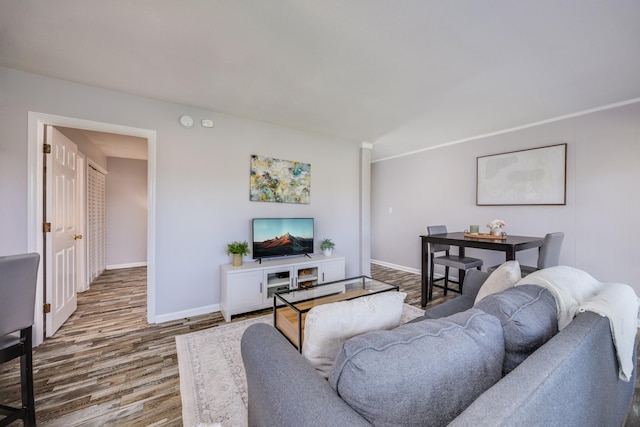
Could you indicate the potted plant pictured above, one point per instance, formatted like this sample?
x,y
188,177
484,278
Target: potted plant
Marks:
x,y
237,250
327,246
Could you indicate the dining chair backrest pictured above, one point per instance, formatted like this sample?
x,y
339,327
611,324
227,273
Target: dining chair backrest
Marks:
x,y
437,229
18,277
549,255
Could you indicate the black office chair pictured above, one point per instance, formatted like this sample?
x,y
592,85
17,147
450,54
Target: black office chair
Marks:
x,y
18,277
461,263
548,254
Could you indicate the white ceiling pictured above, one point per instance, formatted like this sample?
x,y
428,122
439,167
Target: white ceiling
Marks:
x,y
110,144
404,75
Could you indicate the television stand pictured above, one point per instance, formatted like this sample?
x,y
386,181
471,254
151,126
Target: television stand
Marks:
x,y
251,287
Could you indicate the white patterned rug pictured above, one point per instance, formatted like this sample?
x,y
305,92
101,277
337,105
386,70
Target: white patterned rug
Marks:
x,y
212,379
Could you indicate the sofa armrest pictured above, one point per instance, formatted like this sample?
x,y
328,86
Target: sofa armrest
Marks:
x,y
571,380
283,389
473,280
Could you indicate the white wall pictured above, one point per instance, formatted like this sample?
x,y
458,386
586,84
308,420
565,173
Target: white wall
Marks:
x,y
600,219
126,216
202,182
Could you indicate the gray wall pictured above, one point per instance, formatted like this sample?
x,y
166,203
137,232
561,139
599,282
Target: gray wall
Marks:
x,y
126,206
600,219
202,180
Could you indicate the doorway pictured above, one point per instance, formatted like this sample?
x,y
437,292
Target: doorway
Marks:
x,y
35,135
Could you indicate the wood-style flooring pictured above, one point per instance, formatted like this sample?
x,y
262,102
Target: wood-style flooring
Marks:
x,y
107,367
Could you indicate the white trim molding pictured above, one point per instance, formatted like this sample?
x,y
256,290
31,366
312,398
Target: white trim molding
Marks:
x,y
35,128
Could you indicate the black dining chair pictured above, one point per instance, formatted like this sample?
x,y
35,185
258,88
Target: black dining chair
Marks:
x,y
18,277
448,261
548,254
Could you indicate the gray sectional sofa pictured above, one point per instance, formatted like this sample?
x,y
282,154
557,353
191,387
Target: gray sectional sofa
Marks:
x,y
500,363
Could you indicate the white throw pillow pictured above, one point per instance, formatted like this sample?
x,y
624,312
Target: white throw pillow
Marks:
x,y
502,278
328,326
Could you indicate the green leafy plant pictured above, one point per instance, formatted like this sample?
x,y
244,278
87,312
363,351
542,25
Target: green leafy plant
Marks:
x,y
326,244
241,248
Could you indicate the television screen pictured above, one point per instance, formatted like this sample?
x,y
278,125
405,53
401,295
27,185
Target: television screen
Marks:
x,y
273,237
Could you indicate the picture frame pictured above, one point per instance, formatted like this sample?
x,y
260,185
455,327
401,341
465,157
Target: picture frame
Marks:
x,y
279,181
534,176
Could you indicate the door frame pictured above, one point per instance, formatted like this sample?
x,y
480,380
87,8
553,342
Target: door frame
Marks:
x,y
35,191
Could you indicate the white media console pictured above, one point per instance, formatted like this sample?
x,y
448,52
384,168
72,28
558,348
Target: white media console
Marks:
x,y
251,286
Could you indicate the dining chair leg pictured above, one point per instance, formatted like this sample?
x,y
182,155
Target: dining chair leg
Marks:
x,y
26,379
430,278
446,280
461,274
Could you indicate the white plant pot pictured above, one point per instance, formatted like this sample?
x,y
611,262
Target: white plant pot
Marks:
x,y
327,252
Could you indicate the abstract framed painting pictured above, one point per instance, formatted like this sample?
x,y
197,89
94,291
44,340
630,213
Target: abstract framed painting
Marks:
x,y
536,176
279,181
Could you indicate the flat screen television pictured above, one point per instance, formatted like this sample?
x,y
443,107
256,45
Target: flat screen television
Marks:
x,y
278,237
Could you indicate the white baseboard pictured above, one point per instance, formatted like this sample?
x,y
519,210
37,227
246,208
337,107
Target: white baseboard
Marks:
x,y
396,266
131,265
411,270
168,317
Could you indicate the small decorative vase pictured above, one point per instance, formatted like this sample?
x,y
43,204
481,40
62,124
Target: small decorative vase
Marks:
x,y
327,252
496,231
236,260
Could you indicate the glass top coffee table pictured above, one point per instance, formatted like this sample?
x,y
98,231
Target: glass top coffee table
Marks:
x,y
290,307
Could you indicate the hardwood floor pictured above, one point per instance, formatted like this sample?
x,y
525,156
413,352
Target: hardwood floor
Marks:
x,y
107,367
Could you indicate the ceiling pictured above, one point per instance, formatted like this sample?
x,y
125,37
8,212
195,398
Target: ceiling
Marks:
x,y
404,75
111,145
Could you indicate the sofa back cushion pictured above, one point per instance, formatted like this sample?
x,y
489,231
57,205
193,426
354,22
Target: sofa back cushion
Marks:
x,y
528,317
423,373
452,306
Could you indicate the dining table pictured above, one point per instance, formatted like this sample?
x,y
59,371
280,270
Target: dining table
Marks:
x,y
505,243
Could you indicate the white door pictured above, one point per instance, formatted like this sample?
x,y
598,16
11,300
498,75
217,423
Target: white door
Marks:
x,y
61,213
96,223
81,248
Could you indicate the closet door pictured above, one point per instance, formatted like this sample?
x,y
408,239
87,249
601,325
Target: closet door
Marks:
x,y
96,223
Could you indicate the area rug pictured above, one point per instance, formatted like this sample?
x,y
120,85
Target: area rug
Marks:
x,y
212,379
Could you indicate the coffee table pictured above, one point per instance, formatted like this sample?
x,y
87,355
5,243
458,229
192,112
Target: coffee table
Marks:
x,y
290,308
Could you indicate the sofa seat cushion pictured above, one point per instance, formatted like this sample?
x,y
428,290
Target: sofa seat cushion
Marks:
x,y
528,317
423,373
328,326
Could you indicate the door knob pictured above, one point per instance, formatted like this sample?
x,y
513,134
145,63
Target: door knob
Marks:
x,y
77,236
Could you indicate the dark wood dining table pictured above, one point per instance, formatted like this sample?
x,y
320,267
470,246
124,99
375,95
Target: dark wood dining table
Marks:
x,y
509,246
